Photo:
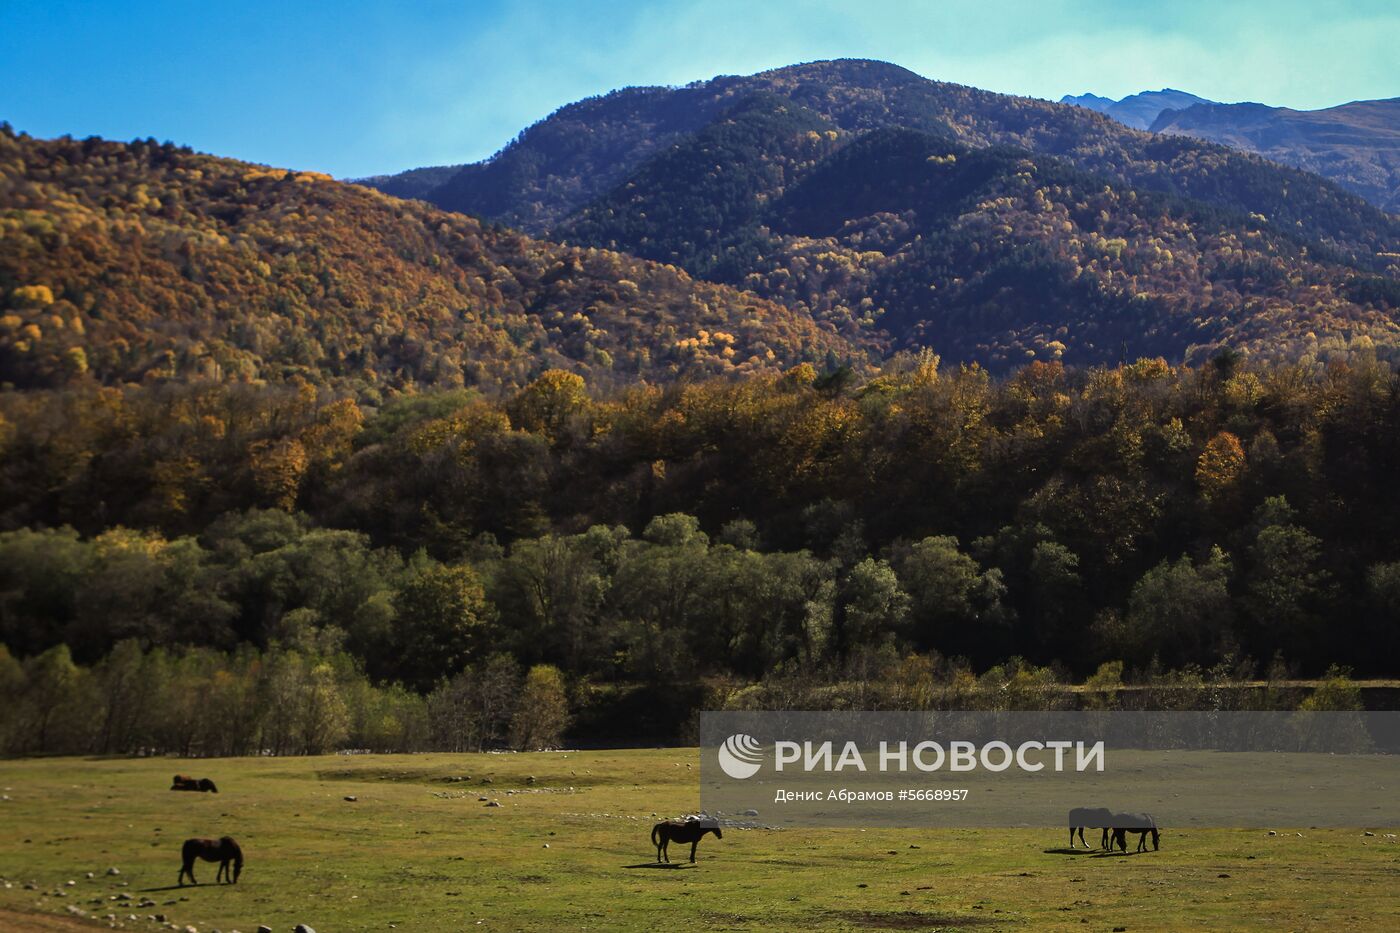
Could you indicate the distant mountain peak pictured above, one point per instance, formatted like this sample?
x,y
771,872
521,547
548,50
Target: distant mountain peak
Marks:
x,y
847,67
1089,101
1138,110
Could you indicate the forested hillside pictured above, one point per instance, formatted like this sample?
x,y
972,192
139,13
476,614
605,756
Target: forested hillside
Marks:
x,y
902,213
990,254
585,149
1357,145
1147,514
140,262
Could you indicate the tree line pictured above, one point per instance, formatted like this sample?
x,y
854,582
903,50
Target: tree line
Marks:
x,y
828,523
302,698
310,697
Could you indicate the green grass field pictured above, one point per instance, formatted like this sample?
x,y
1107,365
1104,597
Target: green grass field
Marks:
x,y
416,851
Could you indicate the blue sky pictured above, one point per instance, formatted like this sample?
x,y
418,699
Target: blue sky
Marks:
x,y
359,87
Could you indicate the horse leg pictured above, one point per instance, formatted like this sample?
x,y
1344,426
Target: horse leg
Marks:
x,y
666,847
1071,837
693,846
223,870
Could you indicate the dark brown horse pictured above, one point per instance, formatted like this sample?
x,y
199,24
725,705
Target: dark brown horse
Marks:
x,y
691,831
1140,823
185,782
223,852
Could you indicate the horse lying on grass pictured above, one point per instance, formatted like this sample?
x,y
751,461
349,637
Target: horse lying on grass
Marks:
x,y
185,782
223,852
1092,818
691,831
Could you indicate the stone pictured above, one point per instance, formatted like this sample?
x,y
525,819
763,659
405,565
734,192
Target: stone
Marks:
x,y
351,798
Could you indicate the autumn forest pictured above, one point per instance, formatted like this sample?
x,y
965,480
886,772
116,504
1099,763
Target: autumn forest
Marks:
x,y
823,387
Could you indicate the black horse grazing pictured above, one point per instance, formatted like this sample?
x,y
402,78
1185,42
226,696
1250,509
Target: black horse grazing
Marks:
x,y
185,782
223,852
1093,818
1140,823
691,831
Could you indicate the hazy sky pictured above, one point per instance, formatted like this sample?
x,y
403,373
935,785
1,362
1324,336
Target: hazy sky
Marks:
x,y
358,87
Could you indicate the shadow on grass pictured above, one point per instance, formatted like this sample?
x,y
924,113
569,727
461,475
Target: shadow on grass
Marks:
x,y
671,865
1063,851
183,887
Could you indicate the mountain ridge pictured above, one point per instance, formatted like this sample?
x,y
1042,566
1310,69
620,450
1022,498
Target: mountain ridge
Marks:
x,y
1356,144
995,255
575,155
1137,110
145,262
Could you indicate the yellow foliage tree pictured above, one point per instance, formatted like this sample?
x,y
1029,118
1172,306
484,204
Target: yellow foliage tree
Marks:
x,y
1220,465
278,468
546,405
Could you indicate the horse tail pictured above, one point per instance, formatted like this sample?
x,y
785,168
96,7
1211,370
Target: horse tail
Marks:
x,y
656,832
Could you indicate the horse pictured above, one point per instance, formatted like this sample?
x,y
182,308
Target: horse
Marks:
x,y
185,782
691,831
223,852
1140,823
1093,818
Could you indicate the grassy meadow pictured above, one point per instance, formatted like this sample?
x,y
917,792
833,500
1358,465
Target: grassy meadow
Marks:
x,y
568,848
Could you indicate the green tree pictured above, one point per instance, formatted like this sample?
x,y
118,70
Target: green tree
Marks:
x,y
542,711
55,688
873,604
955,606
553,588
1286,586
1181,611
325,721
444,622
